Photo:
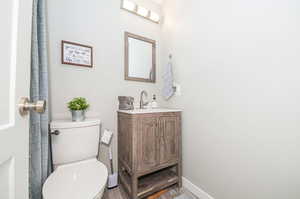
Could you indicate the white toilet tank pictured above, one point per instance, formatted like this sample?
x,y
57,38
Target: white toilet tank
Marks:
x,y
75,141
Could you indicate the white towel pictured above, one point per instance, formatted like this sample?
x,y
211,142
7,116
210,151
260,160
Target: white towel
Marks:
x,y
168,90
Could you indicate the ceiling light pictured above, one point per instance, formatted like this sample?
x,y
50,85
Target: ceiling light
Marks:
x,y
142,11
154,16
128,5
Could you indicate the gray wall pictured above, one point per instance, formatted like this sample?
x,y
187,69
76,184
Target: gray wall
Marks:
x,y
238,64
238,67
101,24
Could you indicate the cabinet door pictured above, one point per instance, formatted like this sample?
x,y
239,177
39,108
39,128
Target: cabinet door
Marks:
x,y
168,139
147,144
125,141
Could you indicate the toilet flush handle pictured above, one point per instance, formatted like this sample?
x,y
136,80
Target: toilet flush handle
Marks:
x,y
56,132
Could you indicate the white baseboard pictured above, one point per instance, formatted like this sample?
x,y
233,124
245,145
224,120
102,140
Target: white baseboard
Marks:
x,y
195,190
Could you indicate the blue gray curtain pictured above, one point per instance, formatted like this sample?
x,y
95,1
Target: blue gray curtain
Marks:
x,y
39,137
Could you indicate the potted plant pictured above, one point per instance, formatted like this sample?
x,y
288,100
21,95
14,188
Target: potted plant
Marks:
x,y
78,107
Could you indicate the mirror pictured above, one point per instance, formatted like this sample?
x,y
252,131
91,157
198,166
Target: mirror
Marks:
x,y
140,58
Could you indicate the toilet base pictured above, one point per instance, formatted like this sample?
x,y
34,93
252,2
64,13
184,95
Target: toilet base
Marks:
x,y
112,181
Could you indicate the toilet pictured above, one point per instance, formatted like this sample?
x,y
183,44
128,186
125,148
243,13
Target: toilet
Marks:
x,y
77,172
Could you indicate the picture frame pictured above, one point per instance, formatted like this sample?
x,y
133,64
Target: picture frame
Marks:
x,y
76,54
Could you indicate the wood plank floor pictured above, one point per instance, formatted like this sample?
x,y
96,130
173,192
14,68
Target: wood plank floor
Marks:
x,y
118,193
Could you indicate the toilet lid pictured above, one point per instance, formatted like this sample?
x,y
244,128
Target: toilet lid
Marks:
x,y
81,180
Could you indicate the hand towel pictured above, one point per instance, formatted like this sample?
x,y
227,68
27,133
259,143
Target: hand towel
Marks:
x,y
168,89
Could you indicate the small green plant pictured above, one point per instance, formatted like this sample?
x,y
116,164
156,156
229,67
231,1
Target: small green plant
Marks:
x,y
78,103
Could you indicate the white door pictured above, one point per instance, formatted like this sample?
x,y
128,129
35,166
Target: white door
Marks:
x,y
15,42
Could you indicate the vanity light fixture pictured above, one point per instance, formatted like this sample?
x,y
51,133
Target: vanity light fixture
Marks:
x,y
140,11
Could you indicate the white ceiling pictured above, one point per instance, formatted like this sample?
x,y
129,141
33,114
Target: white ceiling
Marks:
x,y
158,1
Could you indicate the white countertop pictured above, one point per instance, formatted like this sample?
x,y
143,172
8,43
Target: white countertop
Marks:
x,y
150,110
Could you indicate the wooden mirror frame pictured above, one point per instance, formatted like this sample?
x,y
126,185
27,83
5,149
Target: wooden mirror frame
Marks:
x,y
153,43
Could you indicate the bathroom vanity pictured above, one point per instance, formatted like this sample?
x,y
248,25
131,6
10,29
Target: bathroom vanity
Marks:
x,y
149,150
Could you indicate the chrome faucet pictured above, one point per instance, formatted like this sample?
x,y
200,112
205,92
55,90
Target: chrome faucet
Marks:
x,y
142,102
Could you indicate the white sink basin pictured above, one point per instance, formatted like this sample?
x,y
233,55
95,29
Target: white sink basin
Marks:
x,y
149,110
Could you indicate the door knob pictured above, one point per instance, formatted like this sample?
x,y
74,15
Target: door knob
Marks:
x,y
25,106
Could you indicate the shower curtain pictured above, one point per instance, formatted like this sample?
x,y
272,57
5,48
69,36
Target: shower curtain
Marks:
x,y
39,138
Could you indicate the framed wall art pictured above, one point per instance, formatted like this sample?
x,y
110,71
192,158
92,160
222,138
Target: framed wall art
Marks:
x,y
76,54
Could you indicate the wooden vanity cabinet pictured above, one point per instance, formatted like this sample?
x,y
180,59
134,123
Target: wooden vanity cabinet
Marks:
x,y
149,152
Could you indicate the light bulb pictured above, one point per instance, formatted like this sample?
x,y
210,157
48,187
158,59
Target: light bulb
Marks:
x,y
128,5
142,11
154,16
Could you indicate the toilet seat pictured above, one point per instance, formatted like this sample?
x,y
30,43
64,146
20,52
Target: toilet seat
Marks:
x,y
80,180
